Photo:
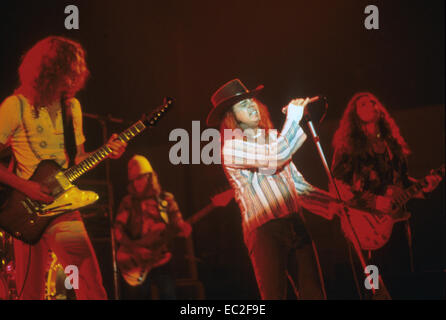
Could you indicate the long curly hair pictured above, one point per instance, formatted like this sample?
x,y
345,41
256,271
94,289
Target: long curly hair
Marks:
x,y
53,68
350,138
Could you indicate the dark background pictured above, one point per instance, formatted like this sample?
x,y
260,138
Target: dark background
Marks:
x,y
140,51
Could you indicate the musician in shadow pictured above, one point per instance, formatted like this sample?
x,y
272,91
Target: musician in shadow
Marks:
x,y
370,168
147,219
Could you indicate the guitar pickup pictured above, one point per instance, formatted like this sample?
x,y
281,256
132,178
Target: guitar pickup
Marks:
x,y
31,206
55,210
27,207
63,181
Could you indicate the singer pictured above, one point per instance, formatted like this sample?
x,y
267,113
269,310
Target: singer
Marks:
x,y
274,229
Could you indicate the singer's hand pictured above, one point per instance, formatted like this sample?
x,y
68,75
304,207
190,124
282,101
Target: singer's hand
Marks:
x,y
299,103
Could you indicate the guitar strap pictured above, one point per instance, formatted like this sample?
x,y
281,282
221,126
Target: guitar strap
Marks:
x,y
68,131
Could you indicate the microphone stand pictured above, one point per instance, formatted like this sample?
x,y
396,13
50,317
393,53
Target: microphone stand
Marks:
x,y
343,216
103,121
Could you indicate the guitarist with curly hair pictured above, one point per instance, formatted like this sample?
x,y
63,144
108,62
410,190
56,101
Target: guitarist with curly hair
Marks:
x,y
371,171
31,123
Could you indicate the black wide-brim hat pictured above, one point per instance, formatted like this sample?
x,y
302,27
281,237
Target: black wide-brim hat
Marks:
x,y
225,97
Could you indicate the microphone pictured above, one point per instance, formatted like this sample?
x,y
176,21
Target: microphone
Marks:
x,y
313,99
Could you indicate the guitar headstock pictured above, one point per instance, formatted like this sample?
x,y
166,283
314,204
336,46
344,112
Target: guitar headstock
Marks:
x,y
152,119
222,199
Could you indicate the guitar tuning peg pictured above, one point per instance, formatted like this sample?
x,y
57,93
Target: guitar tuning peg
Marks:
x,y
168,100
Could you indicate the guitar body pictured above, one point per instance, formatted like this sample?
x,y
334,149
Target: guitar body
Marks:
x,y
5,194
135,263
25,219
372,230
372,227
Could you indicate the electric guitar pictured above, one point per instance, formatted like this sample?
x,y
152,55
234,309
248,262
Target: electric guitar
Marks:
x,y
373,228
26,219
136,261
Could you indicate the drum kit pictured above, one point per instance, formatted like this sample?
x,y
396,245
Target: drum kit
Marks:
x,y
54,278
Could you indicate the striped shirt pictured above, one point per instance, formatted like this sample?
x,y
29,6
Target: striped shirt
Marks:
x,y
279,191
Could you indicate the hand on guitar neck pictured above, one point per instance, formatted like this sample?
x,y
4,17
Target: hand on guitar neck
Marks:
x,y
24,212
372,217
117,146
431,182
395,196
395,199
185,229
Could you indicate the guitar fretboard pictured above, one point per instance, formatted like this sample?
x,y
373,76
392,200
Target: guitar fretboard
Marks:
x,y
102,153
410,192
200,214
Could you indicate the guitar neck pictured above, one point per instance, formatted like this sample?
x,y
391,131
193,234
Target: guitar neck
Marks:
x,y
102,153
172,235
413,190
200,214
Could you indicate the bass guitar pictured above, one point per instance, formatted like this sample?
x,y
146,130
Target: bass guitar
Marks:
x,y
26,219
